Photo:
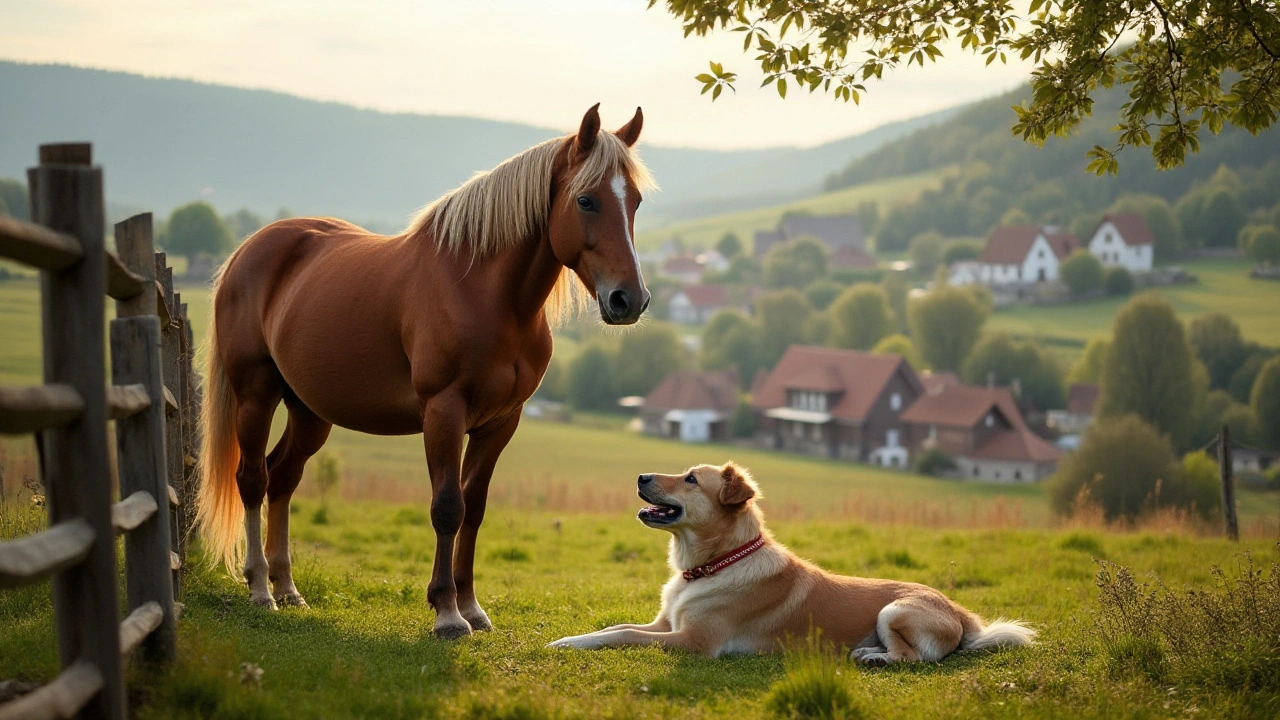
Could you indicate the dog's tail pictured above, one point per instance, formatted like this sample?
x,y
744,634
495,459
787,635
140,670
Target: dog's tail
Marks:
x,y
999,633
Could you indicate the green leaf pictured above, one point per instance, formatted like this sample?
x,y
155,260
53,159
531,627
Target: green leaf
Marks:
x,y
705,78
782,88
716,93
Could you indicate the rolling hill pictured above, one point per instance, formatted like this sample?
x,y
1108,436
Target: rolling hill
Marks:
x,y
165,142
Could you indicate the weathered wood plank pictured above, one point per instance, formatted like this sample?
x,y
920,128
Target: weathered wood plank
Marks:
x,y
77,153
67,197
37,246
137,253
143,468
36,557
60,699
24,410
141,622
126,400
162,308
132,511
170,402
122,283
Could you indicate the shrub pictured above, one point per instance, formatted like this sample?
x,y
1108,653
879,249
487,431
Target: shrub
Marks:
x,y
1117,281
1082,273
1226,636
959,250
812,688
934,462
743,423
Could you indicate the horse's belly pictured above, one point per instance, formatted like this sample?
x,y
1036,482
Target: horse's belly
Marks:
x,y
353,388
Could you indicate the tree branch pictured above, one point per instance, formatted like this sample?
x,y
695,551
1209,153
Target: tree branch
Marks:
x,y
1248,13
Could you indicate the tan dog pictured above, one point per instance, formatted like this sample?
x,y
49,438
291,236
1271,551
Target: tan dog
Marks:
x,y
737,590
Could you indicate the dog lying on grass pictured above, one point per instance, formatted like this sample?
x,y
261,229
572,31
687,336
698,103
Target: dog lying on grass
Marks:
x,y
737,590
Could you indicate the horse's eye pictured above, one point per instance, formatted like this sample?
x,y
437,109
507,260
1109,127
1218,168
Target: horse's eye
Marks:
x,y
586,203
691,479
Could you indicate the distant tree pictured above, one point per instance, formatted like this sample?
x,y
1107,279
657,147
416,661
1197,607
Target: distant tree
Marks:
x,y
959,250
729,245
821,293
1160,220
861,317
1260,243
195,229
782,317
897,289
1241,383
645,356
1016,216
795,264
1088,368
243,223
817,328
714,335
14,200
1242,421
285,213
743,422
935,462
926,250
1221,219
898,227
1149,370
591,379
1210,413
945,325
868,214
1216,339
552,386
1265,401
742,269
1190,213
998,357
1198,484
900,345
1117,281
1119,465
1082,273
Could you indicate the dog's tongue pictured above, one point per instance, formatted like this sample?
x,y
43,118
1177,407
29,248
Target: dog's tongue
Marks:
x,y
657,511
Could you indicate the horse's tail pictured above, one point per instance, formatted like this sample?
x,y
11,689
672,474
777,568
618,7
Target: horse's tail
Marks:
x,y
220,513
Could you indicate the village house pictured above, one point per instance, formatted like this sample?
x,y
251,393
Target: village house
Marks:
x,y
982,430
837,404
1024,255
684,268
1123,241
1078,415
841,234
695,304
692,406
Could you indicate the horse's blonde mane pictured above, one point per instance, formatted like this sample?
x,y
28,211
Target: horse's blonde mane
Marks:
x,y
495,210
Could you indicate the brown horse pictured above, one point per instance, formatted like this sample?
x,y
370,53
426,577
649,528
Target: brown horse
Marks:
x,y
444,330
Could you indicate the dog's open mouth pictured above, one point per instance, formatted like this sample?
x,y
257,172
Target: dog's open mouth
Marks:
x,y
659,514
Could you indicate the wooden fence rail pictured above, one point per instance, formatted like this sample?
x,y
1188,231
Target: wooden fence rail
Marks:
x,y
150,399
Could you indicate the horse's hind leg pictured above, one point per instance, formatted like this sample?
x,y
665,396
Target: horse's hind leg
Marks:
x,y
303,437
258,390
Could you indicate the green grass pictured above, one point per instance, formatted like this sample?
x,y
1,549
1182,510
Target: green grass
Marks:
x,y
364,648
1224,286
706,231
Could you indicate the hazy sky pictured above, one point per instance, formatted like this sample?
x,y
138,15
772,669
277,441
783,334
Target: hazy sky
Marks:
x,y
536,61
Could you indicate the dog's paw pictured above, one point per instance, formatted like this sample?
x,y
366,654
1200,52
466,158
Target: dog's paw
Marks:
x,y
880,659
573,642
857,654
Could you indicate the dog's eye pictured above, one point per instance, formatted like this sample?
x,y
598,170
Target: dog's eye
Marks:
x,y
691,479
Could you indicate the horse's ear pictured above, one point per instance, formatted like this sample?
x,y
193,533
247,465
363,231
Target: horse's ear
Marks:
x,y
738,486
588,131
630,132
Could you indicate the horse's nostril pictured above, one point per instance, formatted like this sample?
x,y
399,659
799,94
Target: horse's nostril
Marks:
x,y
618,303
644,480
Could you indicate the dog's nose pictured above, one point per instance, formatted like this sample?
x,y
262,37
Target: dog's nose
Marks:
x,y
644,480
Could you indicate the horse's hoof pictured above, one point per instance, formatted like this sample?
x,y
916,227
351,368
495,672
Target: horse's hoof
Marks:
x,y
264,602
291,600
452,632
479,623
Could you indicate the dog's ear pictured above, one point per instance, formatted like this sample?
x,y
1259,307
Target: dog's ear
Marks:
x,y
738,486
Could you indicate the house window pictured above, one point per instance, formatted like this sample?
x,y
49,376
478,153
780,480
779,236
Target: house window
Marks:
x,y
1017,474
991,420
975,471
891,438
895,401
933,432
821,401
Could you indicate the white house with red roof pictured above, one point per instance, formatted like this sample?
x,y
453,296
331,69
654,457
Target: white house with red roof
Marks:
x,y
695,304
1124,241
684,268
692,406
1024,254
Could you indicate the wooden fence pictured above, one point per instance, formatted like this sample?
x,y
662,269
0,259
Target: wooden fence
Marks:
x,y
153,400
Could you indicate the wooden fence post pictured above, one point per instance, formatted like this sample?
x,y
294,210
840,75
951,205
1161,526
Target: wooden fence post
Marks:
x,y
140,441
1227,472
190,427
66,195
171,353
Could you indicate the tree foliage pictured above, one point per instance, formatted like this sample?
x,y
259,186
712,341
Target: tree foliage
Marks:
x,y
782,317
998,357
1261,243
1265,400
729,246
822,292
591,379
1149,370
926,251
13,199
1158,215
195,229
946,324
1117,281
861,317
901,345
645,356
795,264
1082,273
1187,66
1217,341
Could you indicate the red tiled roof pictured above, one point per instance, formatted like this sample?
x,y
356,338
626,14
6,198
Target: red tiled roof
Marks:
x,y
1063,243
859,377
938,381
681,264
961,406
707,296
1017,444
690,390
1081,398
851,256
1009,244
1132,228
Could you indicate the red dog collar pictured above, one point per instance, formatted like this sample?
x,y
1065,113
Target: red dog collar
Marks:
x,y
724,561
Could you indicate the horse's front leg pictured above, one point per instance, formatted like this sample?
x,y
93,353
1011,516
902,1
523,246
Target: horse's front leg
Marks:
x,y
477,469
443,425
